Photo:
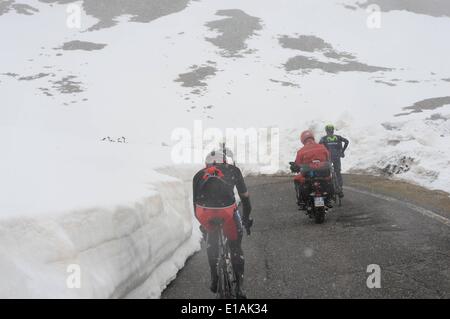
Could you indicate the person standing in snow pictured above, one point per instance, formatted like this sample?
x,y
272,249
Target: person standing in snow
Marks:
x,y
213,196
334,145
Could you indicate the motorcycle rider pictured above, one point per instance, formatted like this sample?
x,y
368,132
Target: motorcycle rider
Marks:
x,y
334,144
213,196
313,155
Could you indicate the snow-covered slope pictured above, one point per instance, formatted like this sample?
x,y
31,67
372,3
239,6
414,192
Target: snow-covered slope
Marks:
x,y
87,116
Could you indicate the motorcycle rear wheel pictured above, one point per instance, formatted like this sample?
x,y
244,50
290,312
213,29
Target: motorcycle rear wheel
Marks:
x,y
319,215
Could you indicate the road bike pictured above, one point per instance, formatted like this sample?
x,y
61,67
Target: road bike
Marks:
x,y
227,287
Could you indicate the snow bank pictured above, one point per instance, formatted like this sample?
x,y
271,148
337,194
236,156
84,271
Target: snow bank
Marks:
x,y
103,207
117,248
416,151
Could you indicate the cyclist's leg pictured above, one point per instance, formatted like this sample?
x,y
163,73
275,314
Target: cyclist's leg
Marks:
x,y
234,232
212,242
212,251
337,169
296,190
238,261
299,181
237,254
298,186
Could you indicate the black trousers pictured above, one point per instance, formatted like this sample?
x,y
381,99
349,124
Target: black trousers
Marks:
x,y
299,192
337,169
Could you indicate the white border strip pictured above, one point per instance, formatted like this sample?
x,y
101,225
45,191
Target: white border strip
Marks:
x,y
416,208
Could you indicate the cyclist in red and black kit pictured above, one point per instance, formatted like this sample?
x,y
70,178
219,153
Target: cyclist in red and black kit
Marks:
x,y
213,194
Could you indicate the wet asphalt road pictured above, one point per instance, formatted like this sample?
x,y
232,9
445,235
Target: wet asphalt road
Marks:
x,y
288,256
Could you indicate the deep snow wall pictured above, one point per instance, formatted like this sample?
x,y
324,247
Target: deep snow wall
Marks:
x,y
117,249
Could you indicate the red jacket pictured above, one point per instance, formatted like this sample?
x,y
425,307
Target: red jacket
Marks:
x,y
312,151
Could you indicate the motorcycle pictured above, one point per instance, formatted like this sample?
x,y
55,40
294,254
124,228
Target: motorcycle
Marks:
x,y
316,186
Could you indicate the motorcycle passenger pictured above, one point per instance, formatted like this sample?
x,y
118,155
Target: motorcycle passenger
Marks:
x,y
314,156
334,144
213,195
